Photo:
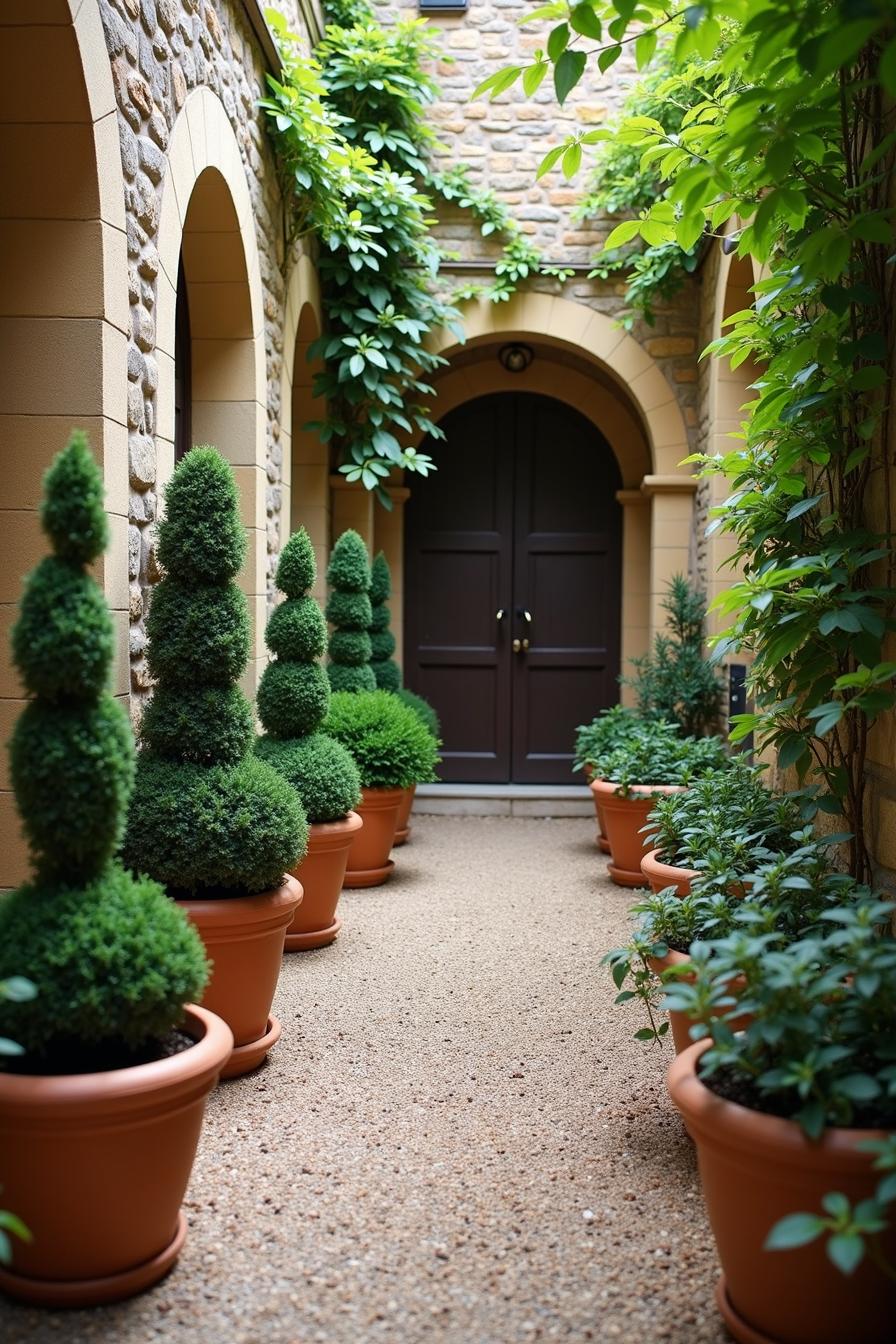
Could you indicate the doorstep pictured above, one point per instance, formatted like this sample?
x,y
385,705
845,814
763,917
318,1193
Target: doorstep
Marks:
x,y
504,800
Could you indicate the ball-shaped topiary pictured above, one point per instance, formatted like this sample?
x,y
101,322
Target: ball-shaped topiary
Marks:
x,y
294,695
112,960
385,670
392,747
423,709
349,612
206,817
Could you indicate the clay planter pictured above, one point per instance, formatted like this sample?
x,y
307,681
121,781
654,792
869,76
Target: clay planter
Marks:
x,y
756,1169
662,875
679,1023
96,1164
320,874
601,841
243,937
623,819
368,859
403,825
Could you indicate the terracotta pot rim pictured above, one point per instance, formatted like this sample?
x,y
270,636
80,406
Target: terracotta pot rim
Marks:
x,y
342,826
728,1124
382,797
261,911
128,1088
672,958
606,789
652,864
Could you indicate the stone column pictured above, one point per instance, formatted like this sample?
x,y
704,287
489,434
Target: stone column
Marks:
x,y
352,506
671,533
635,620
389,538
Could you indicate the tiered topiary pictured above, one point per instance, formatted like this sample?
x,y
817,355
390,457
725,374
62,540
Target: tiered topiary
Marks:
x,y
294,696
207,817
349,612
382,641
112,960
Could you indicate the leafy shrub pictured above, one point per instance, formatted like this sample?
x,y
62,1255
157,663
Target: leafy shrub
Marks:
x,y
294,696
657,754
349,575
423,709
675,681
205,819
382,641
392,747
594,740
110,960
350,648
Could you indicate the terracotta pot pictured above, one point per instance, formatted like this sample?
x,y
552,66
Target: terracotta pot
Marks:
x,y
662,875
320,875
623,819
368,859
679,1023
403,825
96,1164
244,937
601,840
756,1169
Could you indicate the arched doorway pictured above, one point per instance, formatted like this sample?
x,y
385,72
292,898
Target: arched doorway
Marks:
x,y
512,586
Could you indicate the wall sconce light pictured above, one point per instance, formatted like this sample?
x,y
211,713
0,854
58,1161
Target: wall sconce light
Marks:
x,y
515,358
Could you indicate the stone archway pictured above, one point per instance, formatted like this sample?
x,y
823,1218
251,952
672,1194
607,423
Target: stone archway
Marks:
x,y
64,314
306,460
206,219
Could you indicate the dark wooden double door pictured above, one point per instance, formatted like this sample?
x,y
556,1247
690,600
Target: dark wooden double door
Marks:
x,y
512,586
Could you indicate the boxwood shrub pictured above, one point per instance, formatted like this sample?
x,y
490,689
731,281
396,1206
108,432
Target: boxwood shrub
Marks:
x,y
390,743
349,612
382,641
423,709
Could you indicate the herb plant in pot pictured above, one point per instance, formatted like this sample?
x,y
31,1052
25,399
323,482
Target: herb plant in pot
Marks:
x,y
293,699
790,1116
100,1114
594,741
392,749
219,827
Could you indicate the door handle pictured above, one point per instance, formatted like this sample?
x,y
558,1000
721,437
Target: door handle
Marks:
x,y
500,614
520,645
524,615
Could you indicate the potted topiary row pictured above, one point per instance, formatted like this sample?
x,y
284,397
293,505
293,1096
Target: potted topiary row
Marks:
x,y
385,670
218,826
101,1112
293,699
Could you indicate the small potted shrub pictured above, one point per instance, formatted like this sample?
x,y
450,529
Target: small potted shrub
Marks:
x,y
719,826
392,749
349,612
594,741
791,1116
102,1102
430,720
385,669
219,827
293,699
653,761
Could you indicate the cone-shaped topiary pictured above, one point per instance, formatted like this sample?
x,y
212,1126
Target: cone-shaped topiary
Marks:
x,y
294,695
382,640
207,817
349,612
112,959
392,747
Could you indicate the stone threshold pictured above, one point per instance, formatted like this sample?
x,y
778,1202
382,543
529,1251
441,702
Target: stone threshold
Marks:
x,y
504,800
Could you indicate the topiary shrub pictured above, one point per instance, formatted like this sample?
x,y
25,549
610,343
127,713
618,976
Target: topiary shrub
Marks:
x,y
382,641
111,959
206,818
350,613
424,711
294,695
392,747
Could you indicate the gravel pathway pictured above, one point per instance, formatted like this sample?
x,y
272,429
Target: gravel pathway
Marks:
x,y
456,1140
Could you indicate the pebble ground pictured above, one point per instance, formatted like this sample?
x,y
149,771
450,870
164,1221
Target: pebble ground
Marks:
x,y
456,1140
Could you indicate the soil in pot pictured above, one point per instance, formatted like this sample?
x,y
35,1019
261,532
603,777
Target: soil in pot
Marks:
x,y
321,874
623,819
96,1164
244,938
662,875
756,1169
403,825
368,859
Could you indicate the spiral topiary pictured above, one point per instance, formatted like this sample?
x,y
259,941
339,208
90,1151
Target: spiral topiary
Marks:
x,y
382,641
112,960
350,613
294,695
207,817
391,745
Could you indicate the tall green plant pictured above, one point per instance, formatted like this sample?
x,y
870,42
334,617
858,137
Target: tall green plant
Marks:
x,y
676,681
350,613
109,960
382,641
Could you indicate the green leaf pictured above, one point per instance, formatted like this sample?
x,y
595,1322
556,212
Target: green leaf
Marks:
x,y
623,233
645,46
846,1250
797,1229
585,21
498,83
558,41
609,56
567,73
572,160
533,76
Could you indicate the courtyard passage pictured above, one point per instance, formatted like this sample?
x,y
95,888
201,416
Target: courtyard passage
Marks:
x,y
456,1140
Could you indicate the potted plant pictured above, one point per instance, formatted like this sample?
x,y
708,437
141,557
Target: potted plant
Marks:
x,y
349,612
219,827
385,670
653,761
594,741
790,1116
430,720
393,749
101,1107
293,699
718,827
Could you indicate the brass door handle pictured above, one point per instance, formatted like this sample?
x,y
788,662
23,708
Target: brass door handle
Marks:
x,y
524,615
520,645
500,614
